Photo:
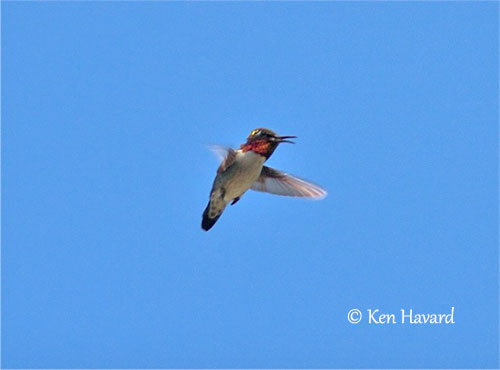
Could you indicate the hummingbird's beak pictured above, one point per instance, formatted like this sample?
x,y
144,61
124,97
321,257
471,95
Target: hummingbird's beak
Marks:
x,y
283,139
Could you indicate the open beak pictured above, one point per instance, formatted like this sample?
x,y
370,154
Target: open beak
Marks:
x,y
283,139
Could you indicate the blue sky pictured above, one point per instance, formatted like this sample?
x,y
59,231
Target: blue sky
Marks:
x,y
106,112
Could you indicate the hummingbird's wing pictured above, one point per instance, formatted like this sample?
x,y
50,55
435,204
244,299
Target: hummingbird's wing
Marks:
x,y
228,161
219,150
226,155
280,183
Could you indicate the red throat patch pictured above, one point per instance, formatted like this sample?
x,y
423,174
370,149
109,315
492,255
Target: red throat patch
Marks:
x,y
259,147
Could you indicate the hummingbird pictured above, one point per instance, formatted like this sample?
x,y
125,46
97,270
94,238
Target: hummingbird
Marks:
x,y
244,169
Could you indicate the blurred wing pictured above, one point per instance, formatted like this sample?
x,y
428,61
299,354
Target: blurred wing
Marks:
x,y
226,155
280,183
220,151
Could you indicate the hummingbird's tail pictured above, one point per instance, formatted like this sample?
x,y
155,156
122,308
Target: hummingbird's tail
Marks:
x,y
215,207
207,222
212,213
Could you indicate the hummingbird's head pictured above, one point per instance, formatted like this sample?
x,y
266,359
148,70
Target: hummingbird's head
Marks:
x,y
264,141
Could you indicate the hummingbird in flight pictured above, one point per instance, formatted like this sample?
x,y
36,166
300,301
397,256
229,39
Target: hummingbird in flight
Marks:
x,y
244,169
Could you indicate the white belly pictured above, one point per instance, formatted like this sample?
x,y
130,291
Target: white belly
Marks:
x,y
247,171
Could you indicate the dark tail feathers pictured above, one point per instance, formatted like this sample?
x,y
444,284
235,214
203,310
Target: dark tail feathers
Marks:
x,y
207,222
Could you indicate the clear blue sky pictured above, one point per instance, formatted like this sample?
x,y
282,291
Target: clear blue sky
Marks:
x,y
106,112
